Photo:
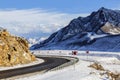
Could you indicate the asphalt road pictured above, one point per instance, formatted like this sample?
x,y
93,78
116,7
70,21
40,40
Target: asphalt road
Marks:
x,y
50,63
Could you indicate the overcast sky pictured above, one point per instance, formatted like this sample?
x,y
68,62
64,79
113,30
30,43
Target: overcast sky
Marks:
x,y
40,18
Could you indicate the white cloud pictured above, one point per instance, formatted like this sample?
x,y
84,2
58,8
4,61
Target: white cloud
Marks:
x,y
34,20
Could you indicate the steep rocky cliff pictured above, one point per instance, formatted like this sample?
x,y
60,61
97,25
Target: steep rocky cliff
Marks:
x,y
13,50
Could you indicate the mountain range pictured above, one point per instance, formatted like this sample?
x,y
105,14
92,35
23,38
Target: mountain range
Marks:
x,y
99,31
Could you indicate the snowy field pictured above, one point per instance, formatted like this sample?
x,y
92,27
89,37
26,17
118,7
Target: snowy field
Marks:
x,y
80,71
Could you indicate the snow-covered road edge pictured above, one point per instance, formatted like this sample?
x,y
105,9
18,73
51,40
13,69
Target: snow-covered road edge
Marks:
x,y
38,61
73,60
80,53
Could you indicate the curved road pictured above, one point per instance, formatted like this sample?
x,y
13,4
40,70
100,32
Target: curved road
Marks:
x,y
50,63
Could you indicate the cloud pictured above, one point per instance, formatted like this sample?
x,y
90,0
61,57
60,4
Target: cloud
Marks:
x,y
34,20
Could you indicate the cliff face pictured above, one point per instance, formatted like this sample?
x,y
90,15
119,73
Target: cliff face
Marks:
x,y
13,50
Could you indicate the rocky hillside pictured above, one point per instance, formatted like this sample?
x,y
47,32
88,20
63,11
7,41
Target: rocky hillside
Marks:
x,y
98,31
13,50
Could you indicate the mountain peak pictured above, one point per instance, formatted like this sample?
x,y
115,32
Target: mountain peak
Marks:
x,y
83,31
103,8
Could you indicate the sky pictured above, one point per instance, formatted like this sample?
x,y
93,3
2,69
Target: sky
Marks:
x,y
66,6
40,18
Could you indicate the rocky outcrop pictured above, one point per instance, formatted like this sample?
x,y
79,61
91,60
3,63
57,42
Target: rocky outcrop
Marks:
x,y
14,50
111,29
110,75
97,66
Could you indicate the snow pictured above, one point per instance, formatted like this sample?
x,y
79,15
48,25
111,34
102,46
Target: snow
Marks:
x,y
78,34
94,36
79,71
38,61
33,41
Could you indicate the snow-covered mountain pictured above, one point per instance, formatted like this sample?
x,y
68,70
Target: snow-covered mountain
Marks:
x,y
98,31
33,41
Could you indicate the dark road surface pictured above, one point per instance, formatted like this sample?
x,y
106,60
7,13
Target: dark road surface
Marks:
x,y
50,63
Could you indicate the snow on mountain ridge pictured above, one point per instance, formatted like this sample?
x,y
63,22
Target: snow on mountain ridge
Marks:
x,y
33,41
84,31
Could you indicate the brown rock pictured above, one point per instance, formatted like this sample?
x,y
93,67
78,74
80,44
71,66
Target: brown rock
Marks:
x,y
113,76
97,66
14,50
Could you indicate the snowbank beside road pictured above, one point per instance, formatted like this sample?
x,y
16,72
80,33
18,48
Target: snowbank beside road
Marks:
x,y
80,53
38,61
